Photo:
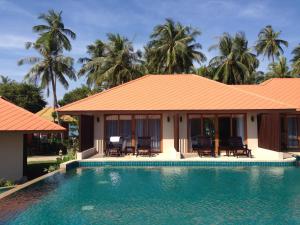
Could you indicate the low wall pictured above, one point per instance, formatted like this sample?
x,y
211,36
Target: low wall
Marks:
x,y
86,153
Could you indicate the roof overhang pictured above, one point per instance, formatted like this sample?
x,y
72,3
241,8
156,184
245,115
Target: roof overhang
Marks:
x,y
210,111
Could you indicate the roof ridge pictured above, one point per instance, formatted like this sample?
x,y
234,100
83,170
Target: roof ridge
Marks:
x,y
248,92
261,96
103,92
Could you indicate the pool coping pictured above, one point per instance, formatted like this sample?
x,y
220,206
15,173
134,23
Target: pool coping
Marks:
x,y
181,163
26,184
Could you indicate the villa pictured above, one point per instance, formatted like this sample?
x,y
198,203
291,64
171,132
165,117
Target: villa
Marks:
x,y
174,109
15,124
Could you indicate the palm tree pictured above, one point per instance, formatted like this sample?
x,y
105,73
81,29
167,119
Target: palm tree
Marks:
x,y
256,77
48,69
279,69
51,66
269,44
118,64
173,48
5,79
235,63
204,71
90,65
296,60
54,33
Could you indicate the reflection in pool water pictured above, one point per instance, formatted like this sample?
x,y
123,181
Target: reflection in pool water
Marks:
x,y
159,195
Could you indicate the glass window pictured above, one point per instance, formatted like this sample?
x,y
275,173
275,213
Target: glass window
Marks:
x,y
154,131
238,126
208,126
292,132
194,124
149,125
111,126
125,123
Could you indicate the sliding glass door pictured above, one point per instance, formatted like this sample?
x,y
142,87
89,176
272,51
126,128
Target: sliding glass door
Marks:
x,y
130,127
204,125
149,126
292,132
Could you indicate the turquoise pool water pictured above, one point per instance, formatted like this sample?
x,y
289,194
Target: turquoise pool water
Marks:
x,y
159,195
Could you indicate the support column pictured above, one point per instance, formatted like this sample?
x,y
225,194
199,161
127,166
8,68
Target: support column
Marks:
x,y
216,136
176,132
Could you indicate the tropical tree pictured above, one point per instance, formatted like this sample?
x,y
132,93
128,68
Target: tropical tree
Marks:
x,y
256,77
91,65
173,48
116,64
296,60
204,71
235,62
279,69
51,66
48,68
54,33
269,44
75,95
5,79
27,96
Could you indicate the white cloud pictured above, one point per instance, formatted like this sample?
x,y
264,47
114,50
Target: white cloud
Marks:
x,y
13,41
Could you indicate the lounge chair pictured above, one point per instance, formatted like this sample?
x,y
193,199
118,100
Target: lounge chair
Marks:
x,y
238,148
115,145
143,146
203,145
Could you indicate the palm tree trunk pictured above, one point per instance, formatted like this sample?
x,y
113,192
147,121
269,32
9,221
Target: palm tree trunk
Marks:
x,y
272,59
55,104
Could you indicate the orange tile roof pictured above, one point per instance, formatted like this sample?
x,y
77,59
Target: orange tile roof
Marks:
x,y
173,92
15,118
285,90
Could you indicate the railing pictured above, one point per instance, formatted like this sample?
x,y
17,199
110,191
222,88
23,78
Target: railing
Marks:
x,y
86,153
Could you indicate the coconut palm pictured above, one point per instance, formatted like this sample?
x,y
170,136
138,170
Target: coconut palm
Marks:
x,y
173,48
235,62
48,69
118,64
54,33
51,66
296,60
279,69
90,65
269,44
256,77
204,71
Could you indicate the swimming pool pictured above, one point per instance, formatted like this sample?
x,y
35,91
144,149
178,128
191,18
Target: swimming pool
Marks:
x,y
159,195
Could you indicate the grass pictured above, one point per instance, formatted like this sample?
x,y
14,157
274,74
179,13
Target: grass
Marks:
x,y
37,168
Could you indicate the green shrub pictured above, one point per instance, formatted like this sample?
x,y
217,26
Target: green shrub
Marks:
x,y
6,183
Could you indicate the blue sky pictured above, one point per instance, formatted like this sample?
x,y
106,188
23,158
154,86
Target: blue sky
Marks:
x,y
135,19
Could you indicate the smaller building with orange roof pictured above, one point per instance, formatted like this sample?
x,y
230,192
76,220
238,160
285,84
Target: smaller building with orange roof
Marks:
x,y
15,122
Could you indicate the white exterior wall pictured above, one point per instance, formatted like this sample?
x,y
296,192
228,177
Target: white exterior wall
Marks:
x,y
11,155
252,131
183,133
99,133
167,132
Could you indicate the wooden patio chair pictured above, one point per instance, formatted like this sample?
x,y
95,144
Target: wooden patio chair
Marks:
x,y
143,146
238,148
115,145
203,145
